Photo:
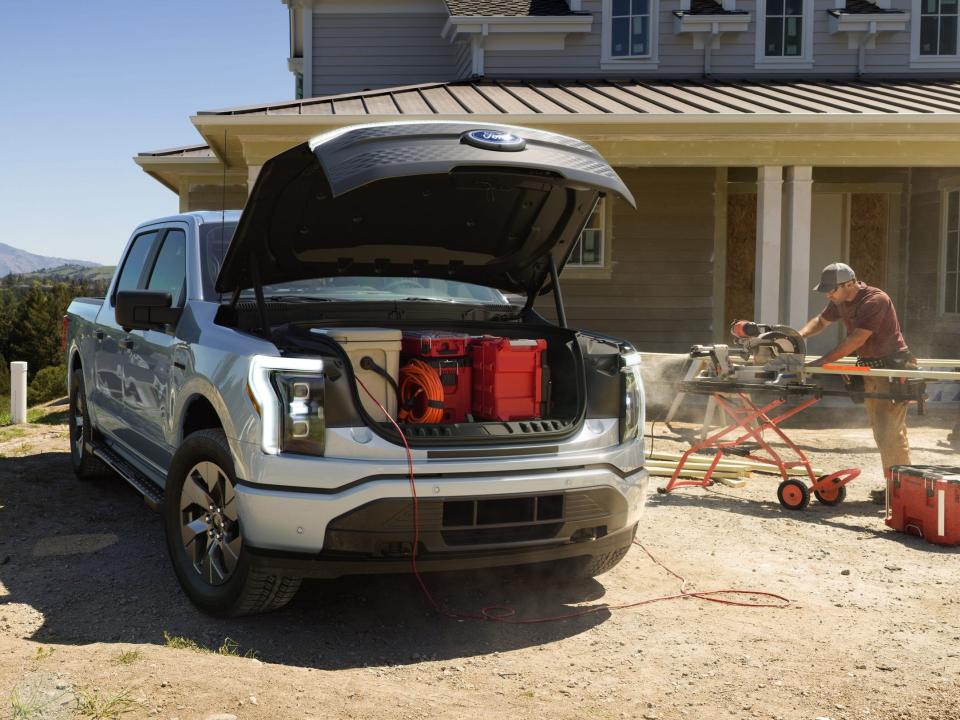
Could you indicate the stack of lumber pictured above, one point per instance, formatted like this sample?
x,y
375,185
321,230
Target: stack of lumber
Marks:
x,y
731,470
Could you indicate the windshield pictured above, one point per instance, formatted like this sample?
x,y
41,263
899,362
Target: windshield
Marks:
x,y
390,289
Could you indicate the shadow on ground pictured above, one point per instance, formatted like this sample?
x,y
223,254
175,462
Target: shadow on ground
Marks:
x,y
91,559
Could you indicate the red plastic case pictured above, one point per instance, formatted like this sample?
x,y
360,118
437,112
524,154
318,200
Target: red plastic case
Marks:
x,y
924,500
435,344
507,378
456,376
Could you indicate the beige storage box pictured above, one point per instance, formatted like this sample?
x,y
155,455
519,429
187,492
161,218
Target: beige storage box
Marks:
x,y
382,345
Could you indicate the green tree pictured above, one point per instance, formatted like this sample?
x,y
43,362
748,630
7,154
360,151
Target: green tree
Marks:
x,y
35,335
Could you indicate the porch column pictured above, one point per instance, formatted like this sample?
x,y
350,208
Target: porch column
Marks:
x,y
253,171
766,280
798,198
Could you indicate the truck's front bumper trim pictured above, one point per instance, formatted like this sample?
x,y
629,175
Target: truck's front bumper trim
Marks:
x,y
426,477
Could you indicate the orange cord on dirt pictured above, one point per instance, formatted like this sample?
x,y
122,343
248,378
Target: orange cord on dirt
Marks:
x,y
421,394
504,614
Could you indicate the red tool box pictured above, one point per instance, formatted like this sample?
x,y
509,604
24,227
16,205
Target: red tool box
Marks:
x,y
456,376
434,344
508,378
924,500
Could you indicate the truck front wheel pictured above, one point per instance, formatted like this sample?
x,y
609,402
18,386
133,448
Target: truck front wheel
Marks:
x,y
204,533
85,465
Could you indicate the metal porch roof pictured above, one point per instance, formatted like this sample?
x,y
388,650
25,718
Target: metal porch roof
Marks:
x,y
632,97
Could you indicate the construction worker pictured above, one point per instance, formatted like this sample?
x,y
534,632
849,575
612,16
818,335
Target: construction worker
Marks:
x,y
873,333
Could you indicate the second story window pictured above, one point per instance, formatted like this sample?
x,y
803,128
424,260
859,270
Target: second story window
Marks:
x,y
630,28
785,34
628,38
938,27
784,28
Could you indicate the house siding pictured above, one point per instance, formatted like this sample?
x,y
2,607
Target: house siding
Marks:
x,y
356,52
660,292
736,56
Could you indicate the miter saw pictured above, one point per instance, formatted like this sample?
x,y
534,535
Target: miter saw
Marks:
x,y
762,354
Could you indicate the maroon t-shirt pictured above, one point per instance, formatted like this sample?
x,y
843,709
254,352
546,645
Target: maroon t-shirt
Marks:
x,y
871,309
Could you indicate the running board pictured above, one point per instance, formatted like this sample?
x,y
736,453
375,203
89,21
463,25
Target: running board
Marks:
x,y
152,493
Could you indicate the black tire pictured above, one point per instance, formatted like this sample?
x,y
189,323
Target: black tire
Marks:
x,y
793,494
833,497
85,465
231,587
599,564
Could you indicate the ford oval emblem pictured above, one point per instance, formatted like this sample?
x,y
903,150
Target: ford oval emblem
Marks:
x,y
494,140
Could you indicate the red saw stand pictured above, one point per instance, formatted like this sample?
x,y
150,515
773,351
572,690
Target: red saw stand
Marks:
x,y
747,423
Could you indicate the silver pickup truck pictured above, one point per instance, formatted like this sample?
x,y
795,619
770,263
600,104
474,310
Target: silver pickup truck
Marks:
x,y
269,380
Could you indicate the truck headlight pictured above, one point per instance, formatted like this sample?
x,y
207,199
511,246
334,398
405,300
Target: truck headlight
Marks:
x,y
632,413
302,425
287,394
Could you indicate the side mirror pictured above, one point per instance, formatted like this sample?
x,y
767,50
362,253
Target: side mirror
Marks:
x,y
145,310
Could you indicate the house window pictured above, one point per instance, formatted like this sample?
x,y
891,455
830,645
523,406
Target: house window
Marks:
x,y
951,252
588,252
785,34
628,34
784,28
938,27
630,28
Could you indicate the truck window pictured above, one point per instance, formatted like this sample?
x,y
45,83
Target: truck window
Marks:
x,y
214,242
133,264
170,269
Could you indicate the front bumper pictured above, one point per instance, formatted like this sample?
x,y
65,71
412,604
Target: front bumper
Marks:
x,y
371,518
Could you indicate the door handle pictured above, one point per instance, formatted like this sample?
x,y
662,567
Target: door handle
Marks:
x,y
127,344
99,334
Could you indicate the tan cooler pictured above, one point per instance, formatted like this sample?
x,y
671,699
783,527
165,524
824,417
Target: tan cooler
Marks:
x,y
382,345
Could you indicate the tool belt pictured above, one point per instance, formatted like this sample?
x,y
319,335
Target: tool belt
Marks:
x,y
899,389
900,360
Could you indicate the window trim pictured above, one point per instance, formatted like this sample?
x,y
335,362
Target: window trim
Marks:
x,y
608,61
928,61
804,61
942,273
605,269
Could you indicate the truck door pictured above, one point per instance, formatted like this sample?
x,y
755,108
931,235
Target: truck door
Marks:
x,y
148,362
110,339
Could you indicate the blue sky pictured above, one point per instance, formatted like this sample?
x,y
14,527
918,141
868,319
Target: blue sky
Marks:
x,y
85,86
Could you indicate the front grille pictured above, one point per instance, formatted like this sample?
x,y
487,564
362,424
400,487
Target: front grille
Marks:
x,y
495,535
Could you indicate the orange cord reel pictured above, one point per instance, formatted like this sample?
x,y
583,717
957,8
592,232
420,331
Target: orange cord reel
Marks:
x,y
421,394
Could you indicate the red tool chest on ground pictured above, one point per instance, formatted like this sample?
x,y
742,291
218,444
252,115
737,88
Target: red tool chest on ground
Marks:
x,y
924,500
508,378
435,344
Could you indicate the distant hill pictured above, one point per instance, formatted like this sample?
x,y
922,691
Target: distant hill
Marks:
x,y
68,273
15,260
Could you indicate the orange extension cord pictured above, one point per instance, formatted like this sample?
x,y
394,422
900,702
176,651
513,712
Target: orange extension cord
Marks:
x,y
421,394
504,614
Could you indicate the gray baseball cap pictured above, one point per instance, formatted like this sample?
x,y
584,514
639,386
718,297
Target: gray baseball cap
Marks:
x,y
834,274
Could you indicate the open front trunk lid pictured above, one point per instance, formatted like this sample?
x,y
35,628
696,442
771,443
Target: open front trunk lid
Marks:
x,y
479,203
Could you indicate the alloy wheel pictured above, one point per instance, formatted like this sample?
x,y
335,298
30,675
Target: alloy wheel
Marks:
x,y
209,525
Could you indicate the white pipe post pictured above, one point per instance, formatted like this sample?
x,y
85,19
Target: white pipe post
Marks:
x,y
18,393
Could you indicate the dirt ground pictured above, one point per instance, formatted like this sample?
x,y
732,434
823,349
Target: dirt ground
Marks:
x,y
93,623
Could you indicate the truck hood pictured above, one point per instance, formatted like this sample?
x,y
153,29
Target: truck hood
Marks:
x,y
474,202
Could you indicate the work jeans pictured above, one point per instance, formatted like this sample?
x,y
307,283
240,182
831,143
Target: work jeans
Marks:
x,y
888,418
